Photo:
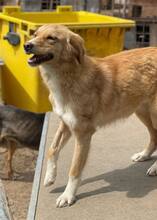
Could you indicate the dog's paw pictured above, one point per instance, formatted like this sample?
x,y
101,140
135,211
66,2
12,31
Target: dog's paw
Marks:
x,y
139,157
50,178
66,199
152,171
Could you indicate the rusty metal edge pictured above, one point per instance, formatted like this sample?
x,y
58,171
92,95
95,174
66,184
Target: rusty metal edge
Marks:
x,y
4,209
37,177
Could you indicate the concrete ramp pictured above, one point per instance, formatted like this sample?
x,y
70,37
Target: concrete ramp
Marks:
x,y
113,187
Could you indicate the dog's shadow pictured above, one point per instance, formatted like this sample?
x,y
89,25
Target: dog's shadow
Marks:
x,y
25,176
19,176
132,180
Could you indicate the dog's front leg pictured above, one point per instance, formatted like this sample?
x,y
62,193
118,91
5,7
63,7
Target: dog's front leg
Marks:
x,y
61,137
82,146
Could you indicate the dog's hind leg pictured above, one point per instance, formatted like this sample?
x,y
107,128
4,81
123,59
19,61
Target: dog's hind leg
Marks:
x,y
61,137
82,146
11,149
144,115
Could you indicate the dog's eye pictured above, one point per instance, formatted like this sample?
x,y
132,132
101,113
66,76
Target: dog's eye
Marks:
x,y
52,38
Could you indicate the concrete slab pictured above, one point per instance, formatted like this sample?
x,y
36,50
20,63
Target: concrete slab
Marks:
x,y
113,188
4,209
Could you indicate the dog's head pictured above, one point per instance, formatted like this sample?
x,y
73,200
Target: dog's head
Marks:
x,y
54,43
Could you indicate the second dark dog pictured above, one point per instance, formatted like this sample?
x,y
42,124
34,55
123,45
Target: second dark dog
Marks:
x,y
19,128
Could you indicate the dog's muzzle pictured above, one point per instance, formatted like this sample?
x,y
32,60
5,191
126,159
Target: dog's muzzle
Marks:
x,y
36,59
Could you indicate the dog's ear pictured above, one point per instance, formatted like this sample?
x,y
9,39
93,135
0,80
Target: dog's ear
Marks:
x,y
77,47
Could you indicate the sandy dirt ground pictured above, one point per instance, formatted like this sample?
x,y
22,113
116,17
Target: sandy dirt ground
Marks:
x,y
18,191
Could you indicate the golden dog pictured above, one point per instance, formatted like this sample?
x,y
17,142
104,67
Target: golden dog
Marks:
x,y
91,92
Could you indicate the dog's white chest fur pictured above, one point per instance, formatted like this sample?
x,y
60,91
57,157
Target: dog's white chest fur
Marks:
x,y
60,108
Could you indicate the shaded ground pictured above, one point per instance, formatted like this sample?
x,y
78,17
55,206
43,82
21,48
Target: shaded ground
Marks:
x,y
19,190
113,187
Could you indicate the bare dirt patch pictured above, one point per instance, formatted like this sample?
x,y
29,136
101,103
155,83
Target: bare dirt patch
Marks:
x,y
18,191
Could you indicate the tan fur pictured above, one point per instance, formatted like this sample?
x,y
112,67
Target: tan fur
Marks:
x,y
10,153
92,92
62,135
50,153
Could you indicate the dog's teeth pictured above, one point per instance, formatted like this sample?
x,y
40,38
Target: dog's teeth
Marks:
x,y
30,61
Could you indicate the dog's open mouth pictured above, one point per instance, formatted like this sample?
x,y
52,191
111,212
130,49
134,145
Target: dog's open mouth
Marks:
x,y
38,59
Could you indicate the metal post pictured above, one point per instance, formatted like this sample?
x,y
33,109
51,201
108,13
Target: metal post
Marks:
x,y
85,4
125,8
112,7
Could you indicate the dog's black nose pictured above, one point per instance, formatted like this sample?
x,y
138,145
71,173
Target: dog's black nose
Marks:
x,y
28,47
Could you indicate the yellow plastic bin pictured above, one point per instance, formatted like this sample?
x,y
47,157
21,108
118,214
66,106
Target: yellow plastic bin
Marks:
x,y
1,93
22,85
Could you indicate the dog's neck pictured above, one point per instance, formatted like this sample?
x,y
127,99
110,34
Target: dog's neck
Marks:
x,y
68,84
65,73
60,81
